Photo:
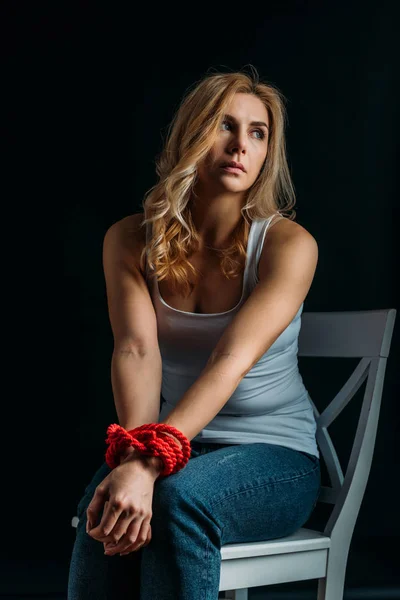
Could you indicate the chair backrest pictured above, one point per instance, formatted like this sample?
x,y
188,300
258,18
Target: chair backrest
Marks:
x,y
359,334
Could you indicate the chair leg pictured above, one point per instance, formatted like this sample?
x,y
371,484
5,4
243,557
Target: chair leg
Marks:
x,y
331,587
241,594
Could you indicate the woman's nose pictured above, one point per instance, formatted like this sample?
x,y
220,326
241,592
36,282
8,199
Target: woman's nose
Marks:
x,y
238,143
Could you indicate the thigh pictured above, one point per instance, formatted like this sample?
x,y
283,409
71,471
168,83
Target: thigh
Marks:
x,y
254,491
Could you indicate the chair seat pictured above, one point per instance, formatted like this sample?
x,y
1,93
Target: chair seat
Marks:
x,y
302,555
300,541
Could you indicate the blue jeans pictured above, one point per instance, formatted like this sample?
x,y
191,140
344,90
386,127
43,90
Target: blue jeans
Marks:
x,y
225,494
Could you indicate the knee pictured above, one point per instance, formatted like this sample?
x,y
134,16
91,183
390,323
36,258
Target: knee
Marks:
x,y
179,506
171,495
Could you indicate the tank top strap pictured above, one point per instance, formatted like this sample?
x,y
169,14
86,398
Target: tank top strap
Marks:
x,y
262,232
278,216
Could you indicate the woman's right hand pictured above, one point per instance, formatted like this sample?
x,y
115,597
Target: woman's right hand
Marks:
x,y
126,495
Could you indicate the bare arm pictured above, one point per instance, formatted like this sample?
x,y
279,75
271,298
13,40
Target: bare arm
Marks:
x,y
136,384
135,377
136,366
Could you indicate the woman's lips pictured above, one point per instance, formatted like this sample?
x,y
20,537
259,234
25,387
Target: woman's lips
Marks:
x,y
232,169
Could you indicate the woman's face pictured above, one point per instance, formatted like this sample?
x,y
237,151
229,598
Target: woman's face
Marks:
x,y
243,138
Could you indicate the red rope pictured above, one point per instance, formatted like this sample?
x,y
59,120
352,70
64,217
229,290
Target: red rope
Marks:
x,y
147,439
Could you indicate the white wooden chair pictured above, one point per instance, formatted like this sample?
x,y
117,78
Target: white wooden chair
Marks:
x,y
311,554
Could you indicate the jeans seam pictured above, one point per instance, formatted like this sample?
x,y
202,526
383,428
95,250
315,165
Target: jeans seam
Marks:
x,y
206,569
212,504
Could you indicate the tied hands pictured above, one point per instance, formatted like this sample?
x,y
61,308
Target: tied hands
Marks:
x,y
127,495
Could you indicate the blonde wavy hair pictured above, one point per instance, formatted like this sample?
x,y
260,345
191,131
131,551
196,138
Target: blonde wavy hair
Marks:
x,y
190,137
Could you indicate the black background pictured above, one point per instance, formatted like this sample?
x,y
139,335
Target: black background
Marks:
x,y
90,91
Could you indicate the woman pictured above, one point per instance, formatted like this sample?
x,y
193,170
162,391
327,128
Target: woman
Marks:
x,y
205,292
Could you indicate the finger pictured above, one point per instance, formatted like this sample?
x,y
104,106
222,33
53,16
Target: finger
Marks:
x,y
135,534
141,539
139,544
92,528
121,526
134,547
94,508
111,513
128,539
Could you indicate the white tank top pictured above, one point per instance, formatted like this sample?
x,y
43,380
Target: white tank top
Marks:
x,y
271,403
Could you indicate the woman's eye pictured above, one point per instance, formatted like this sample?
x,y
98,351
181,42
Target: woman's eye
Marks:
x,y
259,131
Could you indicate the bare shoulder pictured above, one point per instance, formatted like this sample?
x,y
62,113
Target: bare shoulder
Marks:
x,y
284,229
284,233
130,235
131,229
